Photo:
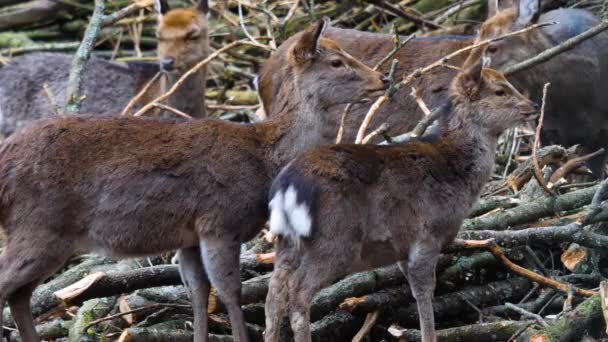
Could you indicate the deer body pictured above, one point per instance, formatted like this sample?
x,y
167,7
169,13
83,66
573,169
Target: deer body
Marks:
x,y
133,186
343,208
401,113
577,108
108,87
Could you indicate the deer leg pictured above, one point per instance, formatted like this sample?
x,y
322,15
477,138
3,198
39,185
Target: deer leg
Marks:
x,y
195,279
421,277
221,260
22,269
277,299
19,303
319,267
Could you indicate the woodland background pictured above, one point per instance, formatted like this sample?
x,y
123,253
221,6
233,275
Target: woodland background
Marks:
x,y
481,294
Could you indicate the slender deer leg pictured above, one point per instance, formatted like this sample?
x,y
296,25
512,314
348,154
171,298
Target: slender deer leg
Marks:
x,y
319,267
277,299
25,263
221,260
421,277
195,279
19,302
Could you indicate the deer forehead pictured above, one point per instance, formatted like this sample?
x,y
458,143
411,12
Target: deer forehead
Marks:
x,y
494,76
498,24
181,19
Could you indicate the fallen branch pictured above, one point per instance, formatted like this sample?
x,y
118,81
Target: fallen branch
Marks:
x,y
493,247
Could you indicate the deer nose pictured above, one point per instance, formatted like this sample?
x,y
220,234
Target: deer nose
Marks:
x,y
536,106
167,64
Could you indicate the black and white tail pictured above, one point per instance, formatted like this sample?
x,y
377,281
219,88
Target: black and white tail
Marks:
x,y
292,205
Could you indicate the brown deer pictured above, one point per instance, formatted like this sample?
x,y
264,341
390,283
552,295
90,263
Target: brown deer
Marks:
x,y
182,42
401,113
344,208
577,107
128,186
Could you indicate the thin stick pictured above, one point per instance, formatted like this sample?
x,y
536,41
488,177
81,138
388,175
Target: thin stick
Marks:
x,y
536,166
173,110
380,130
416,95
143,308
370,321
81,57
125,12
345,112
549,53
493,247
49,93
195,69
377,105
570,166
242,23
140,94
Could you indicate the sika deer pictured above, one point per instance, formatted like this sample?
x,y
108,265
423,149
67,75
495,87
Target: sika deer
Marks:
x,y
342,208
109,86
402,113
133,186
577,107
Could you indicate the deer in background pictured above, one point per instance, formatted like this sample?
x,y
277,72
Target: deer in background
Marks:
x,y
401,113
182,42
577,106
345,208
128,186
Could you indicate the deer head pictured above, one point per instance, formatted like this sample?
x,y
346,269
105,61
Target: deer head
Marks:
x,y
182,35
319,63
492,101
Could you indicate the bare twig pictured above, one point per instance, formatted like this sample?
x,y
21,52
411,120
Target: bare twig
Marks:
x,y
536,169
570,166
125,12
491,246
345,112
526,313
550,53
172,110
377,105
141,93
143,308
370,321
378,131
407,16
81,57
49,94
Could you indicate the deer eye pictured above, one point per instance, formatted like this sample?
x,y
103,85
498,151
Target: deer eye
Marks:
x,y
492,49
336,63
500,92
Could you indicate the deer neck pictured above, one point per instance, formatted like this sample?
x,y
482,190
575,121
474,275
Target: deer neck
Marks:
x,y
295,129
189,97
467,147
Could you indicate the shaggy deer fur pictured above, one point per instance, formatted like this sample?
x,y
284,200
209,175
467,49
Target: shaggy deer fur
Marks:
x,y
108,86
133,186
344,208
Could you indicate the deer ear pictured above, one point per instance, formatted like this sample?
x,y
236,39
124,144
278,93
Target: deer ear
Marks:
x,y
529,12
470,78
203,6
161,6
305,48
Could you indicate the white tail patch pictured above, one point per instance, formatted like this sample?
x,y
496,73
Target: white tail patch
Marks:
x,y
287,217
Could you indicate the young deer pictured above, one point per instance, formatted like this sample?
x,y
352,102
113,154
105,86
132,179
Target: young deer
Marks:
x,y
344,208
108,86
401,113
577,107
134,186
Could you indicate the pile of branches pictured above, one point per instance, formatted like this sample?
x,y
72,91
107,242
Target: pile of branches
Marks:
x,y
528,263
